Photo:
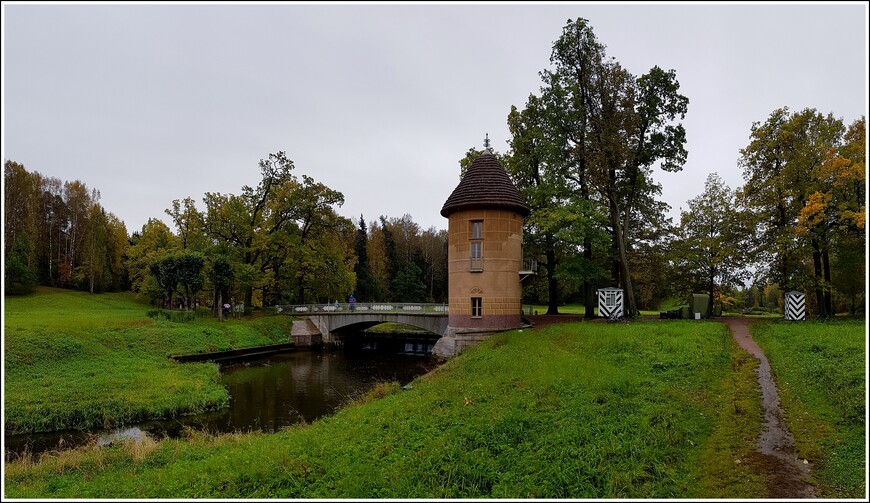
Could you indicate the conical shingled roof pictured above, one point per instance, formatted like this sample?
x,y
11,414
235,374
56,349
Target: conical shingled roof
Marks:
x,y
485,185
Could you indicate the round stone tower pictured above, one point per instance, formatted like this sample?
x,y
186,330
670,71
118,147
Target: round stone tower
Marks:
x,y
485,216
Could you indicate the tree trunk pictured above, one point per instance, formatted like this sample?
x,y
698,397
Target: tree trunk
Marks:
x,y
826,288
220,306
711,287
616,264
249,296
817,273
628,289
589,300
552,285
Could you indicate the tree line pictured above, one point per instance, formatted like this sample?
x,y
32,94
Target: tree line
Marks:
x,y
280,242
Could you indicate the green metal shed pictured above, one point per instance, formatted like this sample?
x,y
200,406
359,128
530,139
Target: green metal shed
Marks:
x,y
698,304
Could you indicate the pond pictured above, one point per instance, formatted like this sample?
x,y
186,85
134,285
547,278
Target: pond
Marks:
x,y
274,392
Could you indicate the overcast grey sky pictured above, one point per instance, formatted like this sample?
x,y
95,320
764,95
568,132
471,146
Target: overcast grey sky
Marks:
x,y
149,103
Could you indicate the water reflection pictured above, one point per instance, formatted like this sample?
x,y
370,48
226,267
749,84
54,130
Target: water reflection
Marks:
x,y
272,393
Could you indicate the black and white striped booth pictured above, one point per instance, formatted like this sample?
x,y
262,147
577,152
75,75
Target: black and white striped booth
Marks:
x,y
795,306
610,302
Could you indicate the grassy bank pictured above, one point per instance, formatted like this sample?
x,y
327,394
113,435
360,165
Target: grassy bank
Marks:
x,y
570,411
820,372
75,360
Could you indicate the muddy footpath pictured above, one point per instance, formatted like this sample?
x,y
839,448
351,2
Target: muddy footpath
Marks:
x,y
775,457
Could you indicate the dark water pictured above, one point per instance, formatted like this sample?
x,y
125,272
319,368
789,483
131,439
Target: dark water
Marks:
x,y
273,392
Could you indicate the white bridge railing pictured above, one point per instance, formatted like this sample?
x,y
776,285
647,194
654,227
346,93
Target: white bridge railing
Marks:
x,y
377,307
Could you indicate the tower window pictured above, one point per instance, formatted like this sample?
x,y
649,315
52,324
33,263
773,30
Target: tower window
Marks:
x,y
477,245
476,307
477,229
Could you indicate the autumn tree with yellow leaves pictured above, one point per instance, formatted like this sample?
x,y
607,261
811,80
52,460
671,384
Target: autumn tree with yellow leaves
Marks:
x,y
805,177
836,210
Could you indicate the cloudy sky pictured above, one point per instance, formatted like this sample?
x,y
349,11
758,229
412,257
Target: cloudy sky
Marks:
x,y
148,103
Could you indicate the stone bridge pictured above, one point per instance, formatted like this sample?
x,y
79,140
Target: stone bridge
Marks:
x,y
323,323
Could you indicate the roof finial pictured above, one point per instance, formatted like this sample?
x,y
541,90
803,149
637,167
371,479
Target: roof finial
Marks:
x,y
486,143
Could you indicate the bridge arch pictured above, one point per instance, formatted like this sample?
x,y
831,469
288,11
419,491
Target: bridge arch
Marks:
x,y
435,324
325,320
419,322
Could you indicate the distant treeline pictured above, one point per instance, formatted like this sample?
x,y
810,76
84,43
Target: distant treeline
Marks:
x,y
281,242
57,234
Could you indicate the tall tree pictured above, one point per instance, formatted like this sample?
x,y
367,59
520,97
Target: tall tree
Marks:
x,y
236,221
365,285
615,128
378,263
95,261
77,199
51,224
567,95
116,252
320,241
711,245
771,197
392,259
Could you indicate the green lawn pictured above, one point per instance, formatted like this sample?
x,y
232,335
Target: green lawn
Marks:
x,y
641,410
821,374
76,360
647,409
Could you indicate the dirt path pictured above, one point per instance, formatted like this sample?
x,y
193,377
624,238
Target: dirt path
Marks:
x,y
775,457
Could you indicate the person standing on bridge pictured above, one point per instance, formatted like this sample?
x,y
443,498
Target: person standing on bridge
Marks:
x,y
351,301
